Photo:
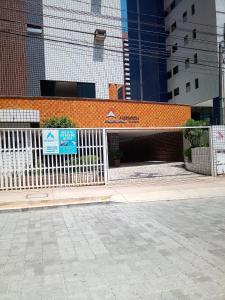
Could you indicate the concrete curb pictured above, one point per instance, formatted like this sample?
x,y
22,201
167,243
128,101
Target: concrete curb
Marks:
x,y
50,204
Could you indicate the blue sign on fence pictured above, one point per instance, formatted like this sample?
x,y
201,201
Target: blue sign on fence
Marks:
x,y
59,141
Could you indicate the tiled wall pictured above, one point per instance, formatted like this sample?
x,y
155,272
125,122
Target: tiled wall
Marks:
x,y
93,113
19,115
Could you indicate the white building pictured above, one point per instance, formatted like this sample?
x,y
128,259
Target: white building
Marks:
x,y
195,28
92,52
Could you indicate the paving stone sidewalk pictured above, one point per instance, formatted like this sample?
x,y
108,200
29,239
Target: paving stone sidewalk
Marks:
x,y
148,251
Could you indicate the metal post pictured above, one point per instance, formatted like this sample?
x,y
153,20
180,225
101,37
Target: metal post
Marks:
x,y
221,96
211,145
105,156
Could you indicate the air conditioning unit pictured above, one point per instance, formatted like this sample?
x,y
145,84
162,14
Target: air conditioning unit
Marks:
x,y
100,35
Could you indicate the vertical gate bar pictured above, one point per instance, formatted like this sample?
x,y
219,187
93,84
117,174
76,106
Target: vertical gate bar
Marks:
x,y
101,154
60,169
14,163
32,160
52,168
6,165
82,156
79,153
28,158
18,158
35,159
10,158
86,156
44,162
105,155
212,152
23,149
48,171
68,169
56,170
71,164
1,163
75,166
93,154
90,157
64,169
40,159
98,156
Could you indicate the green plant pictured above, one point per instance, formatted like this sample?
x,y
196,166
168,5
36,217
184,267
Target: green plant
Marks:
x,y
116,154
197,137
59,122
188,153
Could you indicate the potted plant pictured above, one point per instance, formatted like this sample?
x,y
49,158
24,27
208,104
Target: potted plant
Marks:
x,y
115,157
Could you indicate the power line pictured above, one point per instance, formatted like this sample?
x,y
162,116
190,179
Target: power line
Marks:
x,y
106,49
164,34
116,37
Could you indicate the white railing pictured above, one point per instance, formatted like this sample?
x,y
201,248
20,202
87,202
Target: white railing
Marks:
x,y
23,165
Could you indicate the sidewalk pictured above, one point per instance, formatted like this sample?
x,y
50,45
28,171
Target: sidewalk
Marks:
x,y
151,190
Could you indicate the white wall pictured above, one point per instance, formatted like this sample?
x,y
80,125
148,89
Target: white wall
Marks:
x,y
206,40
65,62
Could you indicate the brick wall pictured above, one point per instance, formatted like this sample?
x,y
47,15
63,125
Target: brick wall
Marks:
x,y
13,65
93,113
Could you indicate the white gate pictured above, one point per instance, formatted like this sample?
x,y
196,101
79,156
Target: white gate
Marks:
x,y
219,149
23,165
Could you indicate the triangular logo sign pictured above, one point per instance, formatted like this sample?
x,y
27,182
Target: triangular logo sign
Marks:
x,y
111,115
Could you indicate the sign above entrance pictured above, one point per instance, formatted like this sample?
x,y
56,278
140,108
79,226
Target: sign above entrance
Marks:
x,y
112,118
59,141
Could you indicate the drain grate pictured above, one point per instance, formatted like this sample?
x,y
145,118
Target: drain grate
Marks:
x,y
37,196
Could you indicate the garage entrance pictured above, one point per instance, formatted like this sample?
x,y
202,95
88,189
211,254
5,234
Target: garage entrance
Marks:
x,y
143,154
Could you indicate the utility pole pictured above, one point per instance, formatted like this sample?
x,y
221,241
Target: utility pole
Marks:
x,y
221,51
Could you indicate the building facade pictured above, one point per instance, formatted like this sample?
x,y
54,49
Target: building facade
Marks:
x,y
194,30
146,33
61,48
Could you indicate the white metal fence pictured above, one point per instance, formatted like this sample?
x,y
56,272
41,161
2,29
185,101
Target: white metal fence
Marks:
x,y
23,165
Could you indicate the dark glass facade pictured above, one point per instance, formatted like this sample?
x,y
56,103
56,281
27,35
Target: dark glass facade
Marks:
x,y
147,46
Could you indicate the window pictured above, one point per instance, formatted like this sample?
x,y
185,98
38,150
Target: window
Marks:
x,y
172,5
187,63
173,26
185,16
96,6
188,87
196,83
169,74
194,34
175,70
168,53
193,9
195,58
176,92
67,89
170,95
186,39
174,48
34,29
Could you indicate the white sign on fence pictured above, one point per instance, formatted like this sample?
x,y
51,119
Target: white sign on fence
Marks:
x,y
218,133
59,141
218,137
